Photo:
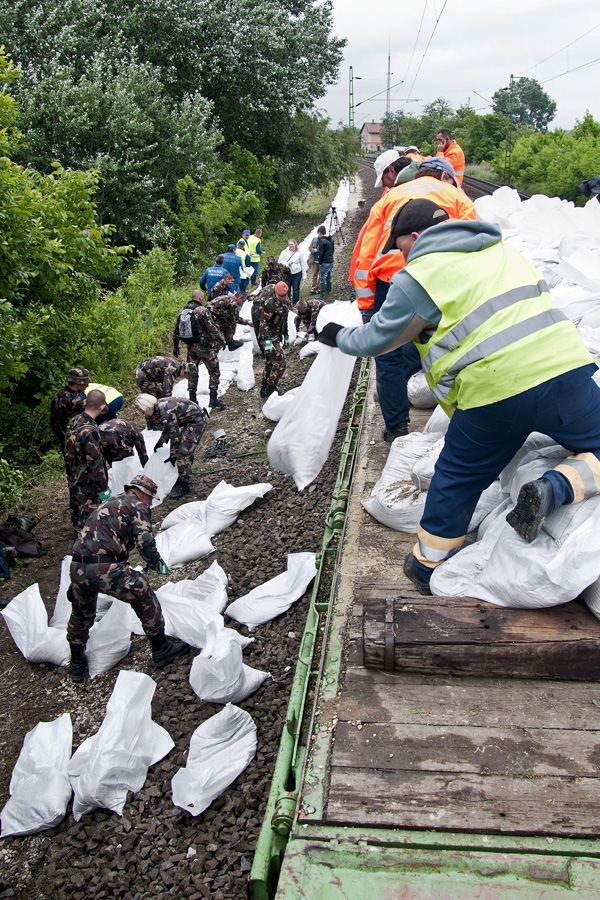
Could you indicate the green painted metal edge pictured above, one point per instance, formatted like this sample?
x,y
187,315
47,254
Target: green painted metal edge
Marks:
x,y
281,805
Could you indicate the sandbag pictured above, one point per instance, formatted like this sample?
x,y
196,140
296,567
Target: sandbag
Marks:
x,y
276,596
116,759
311,348
162,473
420,394
39,786
275,406
244,378
121,473
209,588
302,439
225,503
438,422
62,607
220,749
27,622
218,674
183,543
187,619
423,469
186,512
109,640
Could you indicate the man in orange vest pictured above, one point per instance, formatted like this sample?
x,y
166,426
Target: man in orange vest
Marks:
x,y
450,150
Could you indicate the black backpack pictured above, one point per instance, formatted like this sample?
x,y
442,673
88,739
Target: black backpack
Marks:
x,y
188,329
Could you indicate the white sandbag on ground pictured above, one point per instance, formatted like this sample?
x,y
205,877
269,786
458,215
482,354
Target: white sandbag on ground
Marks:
x,y
244,378
302,438
39,786
110,639
591,597
117,758
276,405
420,394
225,503
27,622
438,422
209,588
187,512
422,471
162,473
498,207
219,675
291,322
276,596
186,619
220,749
121,473
183,543
62,607
311,348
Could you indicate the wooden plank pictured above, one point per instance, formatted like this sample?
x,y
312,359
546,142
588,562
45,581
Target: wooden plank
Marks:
x,y
466,802
498,751
372,696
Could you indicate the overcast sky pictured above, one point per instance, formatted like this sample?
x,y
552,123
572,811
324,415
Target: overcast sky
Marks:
x,y
467,55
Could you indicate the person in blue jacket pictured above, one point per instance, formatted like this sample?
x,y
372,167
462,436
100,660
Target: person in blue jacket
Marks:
x,y
212,275
232,263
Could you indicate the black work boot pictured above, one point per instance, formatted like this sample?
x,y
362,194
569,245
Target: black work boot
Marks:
x,y
263,391
78,663
410,570
272,389
193,396
167,651
399,430
234,345
214,402
180,490
534,503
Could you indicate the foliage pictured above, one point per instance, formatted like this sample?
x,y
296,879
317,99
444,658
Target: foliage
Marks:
x,y
526,103
13,484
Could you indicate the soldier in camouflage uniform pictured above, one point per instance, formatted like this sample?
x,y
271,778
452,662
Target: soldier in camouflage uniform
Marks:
x,y
68,402
118,438
203,349
101,564
274,333
86,471
157,375
222,287
307,312
274,271
182,422
225,312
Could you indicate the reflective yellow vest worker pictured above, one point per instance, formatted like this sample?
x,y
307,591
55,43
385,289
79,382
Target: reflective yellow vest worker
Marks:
x,y
252,243
500,333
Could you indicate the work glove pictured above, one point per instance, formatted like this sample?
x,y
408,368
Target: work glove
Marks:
x,y
171,459
163,569
158,445
328,334
104,495
268,345
286,341
144,461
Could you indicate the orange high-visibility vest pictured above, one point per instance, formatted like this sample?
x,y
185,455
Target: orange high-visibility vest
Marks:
x,y
453,153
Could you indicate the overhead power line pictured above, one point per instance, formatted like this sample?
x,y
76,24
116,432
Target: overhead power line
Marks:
x,y
437,22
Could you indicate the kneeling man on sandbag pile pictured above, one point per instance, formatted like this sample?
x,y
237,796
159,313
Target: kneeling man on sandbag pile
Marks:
x,y
182,422
101,564
501,359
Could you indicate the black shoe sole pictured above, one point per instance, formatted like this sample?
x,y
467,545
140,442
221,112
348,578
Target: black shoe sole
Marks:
x,y
409,570
530,512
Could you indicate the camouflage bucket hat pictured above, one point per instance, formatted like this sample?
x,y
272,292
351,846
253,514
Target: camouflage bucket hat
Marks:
x,y
143,483
78,375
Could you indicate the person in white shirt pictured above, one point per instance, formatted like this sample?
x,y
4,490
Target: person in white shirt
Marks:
x,y
295,260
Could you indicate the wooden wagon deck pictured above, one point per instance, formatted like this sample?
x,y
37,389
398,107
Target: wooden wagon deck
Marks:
x,y
512,745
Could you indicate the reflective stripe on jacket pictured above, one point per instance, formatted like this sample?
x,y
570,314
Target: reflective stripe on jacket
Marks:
x,y
455,156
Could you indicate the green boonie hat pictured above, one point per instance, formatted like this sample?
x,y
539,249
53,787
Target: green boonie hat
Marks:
x,y
143,483
82,375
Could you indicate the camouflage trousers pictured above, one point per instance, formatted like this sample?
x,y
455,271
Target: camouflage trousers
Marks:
x,y
118,580
256,319
83,501
154,388
210,357
274,366
190,438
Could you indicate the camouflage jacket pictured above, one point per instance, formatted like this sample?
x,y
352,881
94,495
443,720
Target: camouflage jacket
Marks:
x,y
219,290
115,528
160,369
274,318
224,311
274,271
83,457
118,435
65,404
309,318
210,336
174,414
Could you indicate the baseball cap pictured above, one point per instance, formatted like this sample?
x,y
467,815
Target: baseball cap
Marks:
x,y
439,162
416,215
245,231
143,483
231,246
80,375
281,288
384,160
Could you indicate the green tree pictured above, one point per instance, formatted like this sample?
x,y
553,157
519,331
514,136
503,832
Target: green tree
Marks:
x,y
526,103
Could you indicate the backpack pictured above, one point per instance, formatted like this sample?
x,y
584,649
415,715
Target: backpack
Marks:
x,y
188,329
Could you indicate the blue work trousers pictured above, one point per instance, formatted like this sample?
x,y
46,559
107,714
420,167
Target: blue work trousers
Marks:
x,y
294,286
255,268
480,442
393,371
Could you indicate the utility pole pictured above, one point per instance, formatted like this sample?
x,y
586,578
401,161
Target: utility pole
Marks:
x,y
389,81
509,128
351,99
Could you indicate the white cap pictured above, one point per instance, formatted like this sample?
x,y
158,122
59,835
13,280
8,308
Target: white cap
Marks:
x,y
146,402
384,160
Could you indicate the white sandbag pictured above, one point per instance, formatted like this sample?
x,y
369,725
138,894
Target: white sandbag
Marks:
x,y
187,619
590,337
39,786
591,597
244,378
505,570
219,675
225,503
62,607
292,333
277,404
311,348
489,502
110,639
536,446
121,473
300,338
220,749
276,596
27,622
582,267
116,759
186,512
209,588
302,439
162,473
183,543
438,422
424,467
420,394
